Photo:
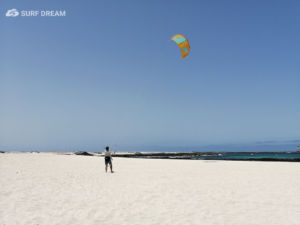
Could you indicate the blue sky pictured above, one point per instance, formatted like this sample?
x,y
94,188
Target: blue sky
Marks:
x,y
77,82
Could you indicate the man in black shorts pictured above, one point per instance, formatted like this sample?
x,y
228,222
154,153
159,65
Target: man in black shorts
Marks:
x,y
108,159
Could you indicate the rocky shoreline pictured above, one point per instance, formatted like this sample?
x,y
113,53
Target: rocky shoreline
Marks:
x,y
186,156
208,156
192,155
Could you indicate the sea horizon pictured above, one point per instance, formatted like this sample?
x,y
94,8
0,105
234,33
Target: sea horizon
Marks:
x,y
207,148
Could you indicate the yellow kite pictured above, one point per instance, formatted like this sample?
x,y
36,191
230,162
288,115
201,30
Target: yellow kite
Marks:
x,y
182,43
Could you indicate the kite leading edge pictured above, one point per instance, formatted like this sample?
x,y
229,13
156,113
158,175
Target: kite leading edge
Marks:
x,y
182,43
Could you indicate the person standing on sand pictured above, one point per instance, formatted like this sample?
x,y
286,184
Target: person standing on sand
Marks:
x,y
108,159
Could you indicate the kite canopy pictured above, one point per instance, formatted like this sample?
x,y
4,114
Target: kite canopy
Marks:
x,y
182,43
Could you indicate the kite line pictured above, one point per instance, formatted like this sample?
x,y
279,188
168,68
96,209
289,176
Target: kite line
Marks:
x,y
184,46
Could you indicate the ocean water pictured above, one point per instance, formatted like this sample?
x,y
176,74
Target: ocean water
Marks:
x,y
255,156
250,155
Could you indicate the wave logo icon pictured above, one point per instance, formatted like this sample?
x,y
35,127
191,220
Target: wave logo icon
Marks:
x,y
12,13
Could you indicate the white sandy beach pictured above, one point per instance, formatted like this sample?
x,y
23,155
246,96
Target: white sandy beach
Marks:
x,y
46,188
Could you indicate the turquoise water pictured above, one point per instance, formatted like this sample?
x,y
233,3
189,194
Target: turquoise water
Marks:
x,y
250,155
258,156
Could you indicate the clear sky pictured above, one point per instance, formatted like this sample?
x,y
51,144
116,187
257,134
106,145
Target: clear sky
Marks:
x,y
106,74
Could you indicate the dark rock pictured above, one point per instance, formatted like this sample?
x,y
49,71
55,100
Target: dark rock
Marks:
x,y
82,153
2,152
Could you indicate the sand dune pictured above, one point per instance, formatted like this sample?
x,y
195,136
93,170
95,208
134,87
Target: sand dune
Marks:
x,y
48,188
